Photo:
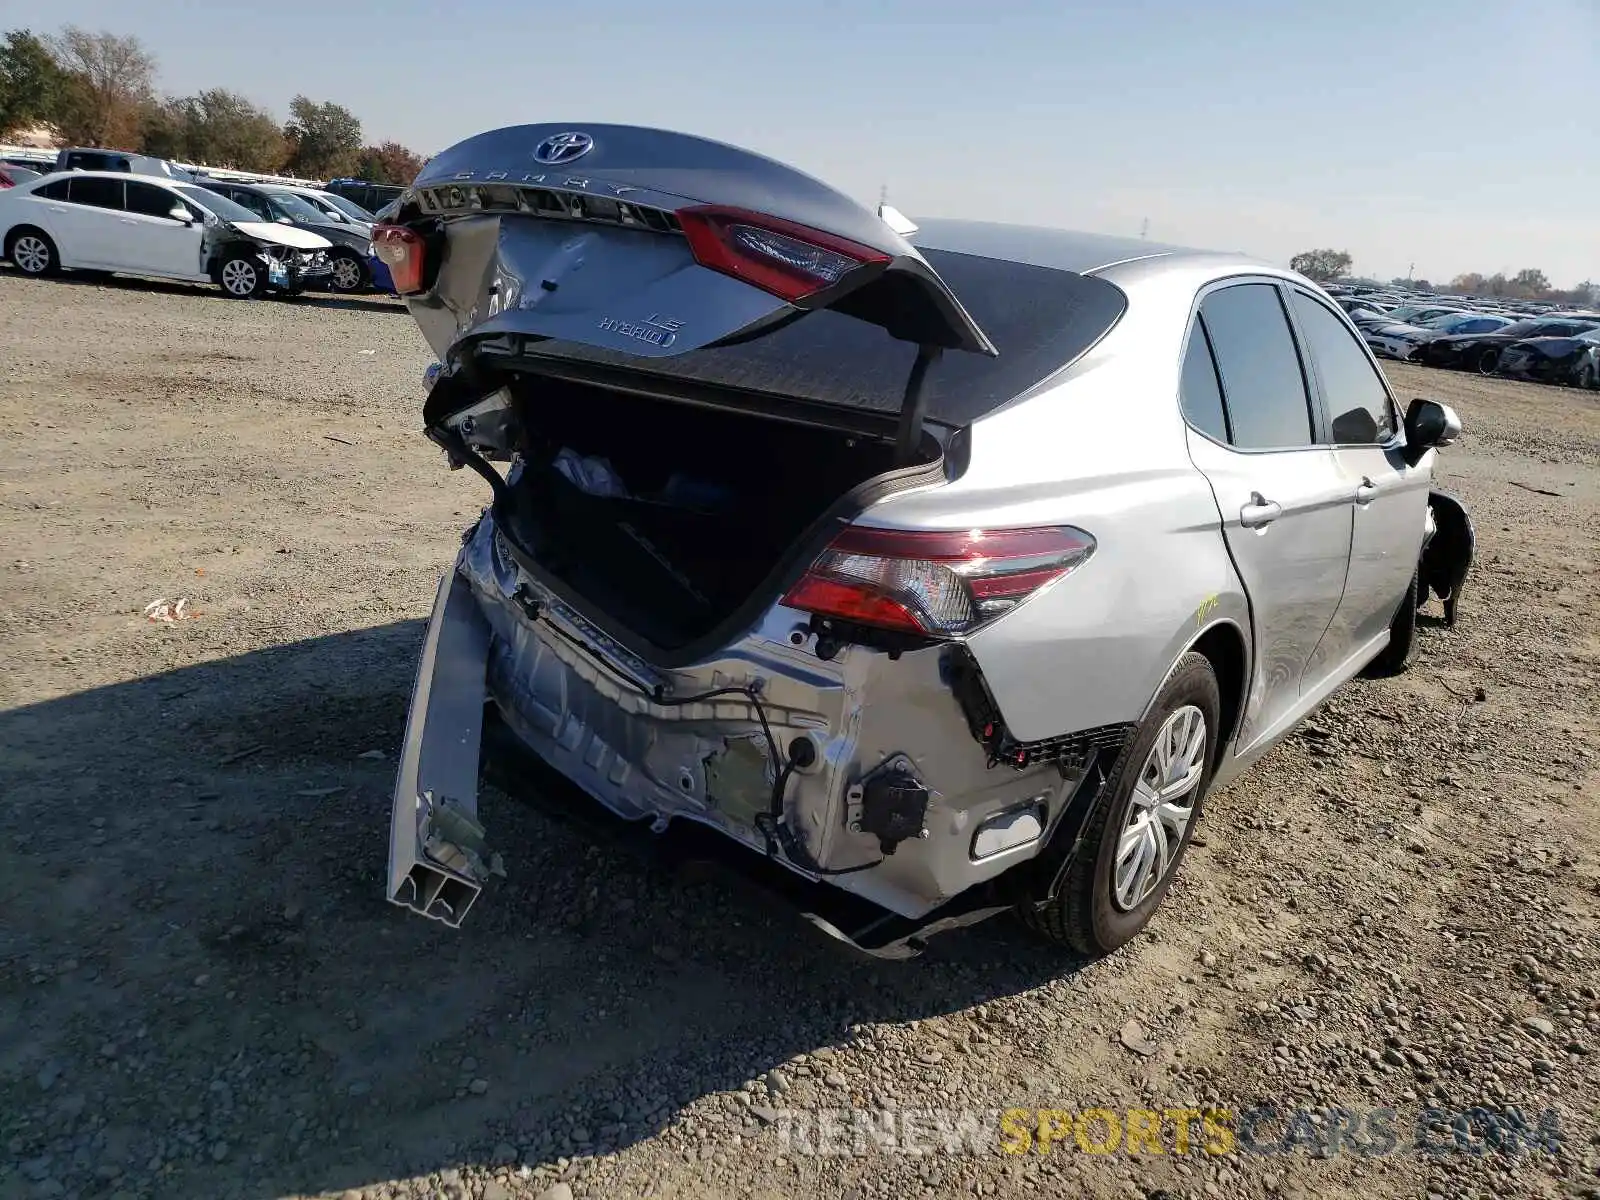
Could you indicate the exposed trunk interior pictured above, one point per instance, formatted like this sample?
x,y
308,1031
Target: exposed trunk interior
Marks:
x,y
709,501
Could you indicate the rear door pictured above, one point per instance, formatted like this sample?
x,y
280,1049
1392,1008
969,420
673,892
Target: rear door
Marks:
x,y
1389,499
1285,503
93,222
159,243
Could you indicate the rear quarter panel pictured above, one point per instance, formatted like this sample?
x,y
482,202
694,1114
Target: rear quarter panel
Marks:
x,y
1101,447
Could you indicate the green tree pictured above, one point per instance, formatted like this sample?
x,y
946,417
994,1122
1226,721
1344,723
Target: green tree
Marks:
x,y
110,86
1322,265
324,139
163,129
223,129
31,84
388,163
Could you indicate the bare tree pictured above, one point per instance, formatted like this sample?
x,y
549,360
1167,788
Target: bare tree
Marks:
x,y
110,85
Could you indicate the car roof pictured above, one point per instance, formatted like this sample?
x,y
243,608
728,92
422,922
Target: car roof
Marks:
x,y
1060,249
52,176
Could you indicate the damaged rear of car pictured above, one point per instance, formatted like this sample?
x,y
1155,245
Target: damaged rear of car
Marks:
x,y
740,572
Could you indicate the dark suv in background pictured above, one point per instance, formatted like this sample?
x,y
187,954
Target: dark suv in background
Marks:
x,y
371,196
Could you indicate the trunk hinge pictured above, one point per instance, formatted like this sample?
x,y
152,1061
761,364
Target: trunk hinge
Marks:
x,y
914,406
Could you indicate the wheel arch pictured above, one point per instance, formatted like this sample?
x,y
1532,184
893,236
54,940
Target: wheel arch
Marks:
x,y
1226,646
22,227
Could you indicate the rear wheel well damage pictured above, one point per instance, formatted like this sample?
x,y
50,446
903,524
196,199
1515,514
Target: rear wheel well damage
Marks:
x,y
1223,647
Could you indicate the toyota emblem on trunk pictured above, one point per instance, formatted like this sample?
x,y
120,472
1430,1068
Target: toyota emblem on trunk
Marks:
x,y
563,148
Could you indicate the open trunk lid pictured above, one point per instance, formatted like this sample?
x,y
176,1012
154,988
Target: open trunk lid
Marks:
x,y
616,245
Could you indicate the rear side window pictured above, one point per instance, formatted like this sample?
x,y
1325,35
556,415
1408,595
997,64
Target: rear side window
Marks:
x,y
1261,376
95,191
1199,392
56,190
1358,402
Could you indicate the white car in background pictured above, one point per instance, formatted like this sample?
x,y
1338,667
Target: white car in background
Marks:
x,y
154,226
340,208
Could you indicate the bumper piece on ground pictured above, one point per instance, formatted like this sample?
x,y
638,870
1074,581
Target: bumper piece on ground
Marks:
x,y
437,859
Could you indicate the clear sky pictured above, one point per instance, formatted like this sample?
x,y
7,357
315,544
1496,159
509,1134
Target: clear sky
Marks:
x,y
1453,134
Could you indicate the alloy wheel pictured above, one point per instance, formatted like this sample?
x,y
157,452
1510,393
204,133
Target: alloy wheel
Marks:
x,y
346,274
1160,808
239,277
31,254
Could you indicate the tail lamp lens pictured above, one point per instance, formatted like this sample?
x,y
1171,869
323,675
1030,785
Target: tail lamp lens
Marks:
x,y
404,252
778,256
935,584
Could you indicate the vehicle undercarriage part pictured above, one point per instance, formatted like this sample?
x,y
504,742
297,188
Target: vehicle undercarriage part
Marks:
x,y
1071,752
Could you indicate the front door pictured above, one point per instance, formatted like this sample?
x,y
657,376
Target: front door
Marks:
x,y
157,241
1285,504
1390,499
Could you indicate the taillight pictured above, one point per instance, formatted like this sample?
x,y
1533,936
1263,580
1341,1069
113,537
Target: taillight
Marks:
x,y
404,252
777,256
934,583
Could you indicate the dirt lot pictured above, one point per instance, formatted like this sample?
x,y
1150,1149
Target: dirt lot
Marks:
x,y
203,992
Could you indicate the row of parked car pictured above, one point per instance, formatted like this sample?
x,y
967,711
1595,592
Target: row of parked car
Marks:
x,y
1548,347
110,211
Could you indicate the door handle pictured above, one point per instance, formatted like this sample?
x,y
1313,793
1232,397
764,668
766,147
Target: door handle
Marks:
x,y
1366,491
1259,512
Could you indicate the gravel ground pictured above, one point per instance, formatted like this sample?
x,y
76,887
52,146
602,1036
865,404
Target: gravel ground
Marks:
x,y
203,993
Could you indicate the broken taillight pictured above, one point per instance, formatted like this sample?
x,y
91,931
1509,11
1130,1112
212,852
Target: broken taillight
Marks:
x,y
791,261
404,252
936,584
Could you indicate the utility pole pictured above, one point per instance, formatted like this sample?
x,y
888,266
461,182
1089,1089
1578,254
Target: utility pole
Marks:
x,y
1144,227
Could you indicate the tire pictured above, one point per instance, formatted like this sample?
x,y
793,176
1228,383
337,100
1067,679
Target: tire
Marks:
x,y
1396,656
1088,913
350,273
1488,362
1587,377
242,275
32,252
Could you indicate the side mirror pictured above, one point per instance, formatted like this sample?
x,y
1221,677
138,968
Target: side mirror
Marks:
x,y
285,221
1429,425
180,212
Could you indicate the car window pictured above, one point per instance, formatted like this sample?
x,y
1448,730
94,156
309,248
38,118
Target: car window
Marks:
x,y
1263,387
149,200
296,208
349,207
95,191
1358,402
54,190
256,204
1199,392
